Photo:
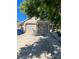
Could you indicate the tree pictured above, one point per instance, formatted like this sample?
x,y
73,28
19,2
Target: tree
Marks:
x,y
45,9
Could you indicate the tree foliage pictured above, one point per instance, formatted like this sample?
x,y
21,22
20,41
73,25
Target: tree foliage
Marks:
x,y
45,9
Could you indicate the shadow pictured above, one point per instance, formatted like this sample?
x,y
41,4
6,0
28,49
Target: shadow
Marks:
x,y
50,45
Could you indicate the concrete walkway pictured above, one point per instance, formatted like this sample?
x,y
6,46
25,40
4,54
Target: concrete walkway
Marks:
x,y
24,39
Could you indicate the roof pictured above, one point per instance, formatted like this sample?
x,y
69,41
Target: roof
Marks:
x,y
32,20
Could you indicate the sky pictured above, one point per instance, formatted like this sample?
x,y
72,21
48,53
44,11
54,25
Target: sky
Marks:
x,y
20,16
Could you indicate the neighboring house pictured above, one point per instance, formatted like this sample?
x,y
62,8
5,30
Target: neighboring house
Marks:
x,y
19,28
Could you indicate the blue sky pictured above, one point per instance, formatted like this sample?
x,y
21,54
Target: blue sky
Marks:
x,y
20,16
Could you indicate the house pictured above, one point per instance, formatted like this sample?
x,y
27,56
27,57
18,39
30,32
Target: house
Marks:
x,y
35,26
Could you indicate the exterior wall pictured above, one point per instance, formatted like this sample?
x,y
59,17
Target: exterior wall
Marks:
x,y
43,28
36,27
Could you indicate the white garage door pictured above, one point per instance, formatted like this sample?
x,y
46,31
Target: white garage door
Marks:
x,y
30,29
